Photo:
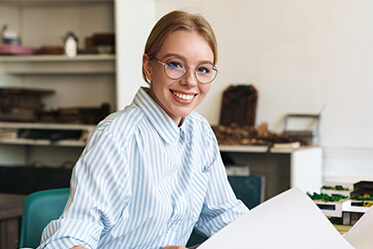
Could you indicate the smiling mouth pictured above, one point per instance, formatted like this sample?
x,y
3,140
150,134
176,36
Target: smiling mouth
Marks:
x,y
183,96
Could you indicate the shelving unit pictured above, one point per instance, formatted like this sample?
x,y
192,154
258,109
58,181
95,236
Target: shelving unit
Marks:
x,y
87,80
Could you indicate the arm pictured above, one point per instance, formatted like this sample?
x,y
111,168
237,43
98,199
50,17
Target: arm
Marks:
x,y
166,247
174,247
220,206
96,187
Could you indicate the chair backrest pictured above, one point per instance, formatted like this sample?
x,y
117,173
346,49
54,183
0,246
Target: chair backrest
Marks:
x,y
38,210
249,189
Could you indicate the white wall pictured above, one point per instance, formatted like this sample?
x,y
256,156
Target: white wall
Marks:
x,y
134,20
300,55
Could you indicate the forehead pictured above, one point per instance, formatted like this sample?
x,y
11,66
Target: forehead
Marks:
x,y
188,44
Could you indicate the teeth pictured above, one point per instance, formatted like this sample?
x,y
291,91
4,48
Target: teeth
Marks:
x,y
183,96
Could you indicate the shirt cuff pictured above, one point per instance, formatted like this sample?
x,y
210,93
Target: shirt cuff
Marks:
x,y
66,233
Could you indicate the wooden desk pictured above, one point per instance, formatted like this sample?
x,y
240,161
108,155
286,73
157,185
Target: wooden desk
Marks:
x,y
11,207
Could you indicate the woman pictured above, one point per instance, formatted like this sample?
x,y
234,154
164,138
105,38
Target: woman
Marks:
x,y
152,172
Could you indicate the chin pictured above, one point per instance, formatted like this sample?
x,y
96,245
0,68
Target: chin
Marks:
x,y
183,114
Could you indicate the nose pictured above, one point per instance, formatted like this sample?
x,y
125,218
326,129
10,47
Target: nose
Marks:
x,y
189,79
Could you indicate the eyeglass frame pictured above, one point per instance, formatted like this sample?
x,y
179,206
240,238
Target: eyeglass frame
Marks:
x,y
187,68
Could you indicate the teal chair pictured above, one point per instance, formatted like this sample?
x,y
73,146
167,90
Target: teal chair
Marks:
x,y
249,189
38,210
43,206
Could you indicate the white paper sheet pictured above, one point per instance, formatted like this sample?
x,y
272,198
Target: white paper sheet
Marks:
x,y
290,220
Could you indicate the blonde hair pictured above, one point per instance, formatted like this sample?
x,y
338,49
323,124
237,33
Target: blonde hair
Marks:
x,y
179,20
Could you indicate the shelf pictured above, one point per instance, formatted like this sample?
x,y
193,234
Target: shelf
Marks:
x,y
57,64
253,149
46,126
43,142
53,58
262,148
43,2
12,129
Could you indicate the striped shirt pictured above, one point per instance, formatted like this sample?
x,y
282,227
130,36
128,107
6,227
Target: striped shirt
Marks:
x,y
144,182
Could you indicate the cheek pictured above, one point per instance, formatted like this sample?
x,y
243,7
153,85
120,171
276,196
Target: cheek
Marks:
x,y
160,78
204,88
160,84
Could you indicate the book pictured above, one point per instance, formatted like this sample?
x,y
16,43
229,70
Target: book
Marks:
x,y
290,220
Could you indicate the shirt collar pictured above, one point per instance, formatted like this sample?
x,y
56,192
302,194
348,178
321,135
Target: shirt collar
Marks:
x,y
162,123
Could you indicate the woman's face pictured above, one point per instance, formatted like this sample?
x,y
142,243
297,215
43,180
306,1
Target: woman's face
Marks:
x,y
178,98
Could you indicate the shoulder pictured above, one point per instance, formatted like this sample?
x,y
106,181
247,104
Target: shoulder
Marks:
x,y
121,124
129,116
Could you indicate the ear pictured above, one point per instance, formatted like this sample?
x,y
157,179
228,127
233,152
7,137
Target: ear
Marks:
x,y
147,66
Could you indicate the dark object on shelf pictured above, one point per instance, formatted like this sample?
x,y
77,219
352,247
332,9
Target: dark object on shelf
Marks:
x,y
249,135
239,105
83,115
362,188
55,50
52,135
103,39
76,115
29,179
21,104
101,43
25,105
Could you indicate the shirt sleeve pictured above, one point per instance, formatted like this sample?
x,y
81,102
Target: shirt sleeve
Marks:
x,y
100,191
220,206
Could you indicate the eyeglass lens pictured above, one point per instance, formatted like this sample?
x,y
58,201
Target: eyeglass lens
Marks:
x,y
176,68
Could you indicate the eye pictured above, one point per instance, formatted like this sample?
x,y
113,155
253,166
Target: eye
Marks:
x,y
175,64
203,70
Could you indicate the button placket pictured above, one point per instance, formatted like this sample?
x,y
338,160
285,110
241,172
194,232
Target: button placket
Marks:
x,y
179,201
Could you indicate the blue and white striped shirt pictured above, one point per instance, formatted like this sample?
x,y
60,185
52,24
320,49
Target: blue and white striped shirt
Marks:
x,y
144,182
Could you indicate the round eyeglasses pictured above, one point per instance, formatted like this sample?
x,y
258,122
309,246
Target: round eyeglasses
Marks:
x,y
175,68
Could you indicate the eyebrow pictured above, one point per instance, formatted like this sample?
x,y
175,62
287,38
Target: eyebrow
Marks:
x,y
184,58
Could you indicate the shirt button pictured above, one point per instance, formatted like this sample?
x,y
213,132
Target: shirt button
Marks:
x,y
173,227
182,199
